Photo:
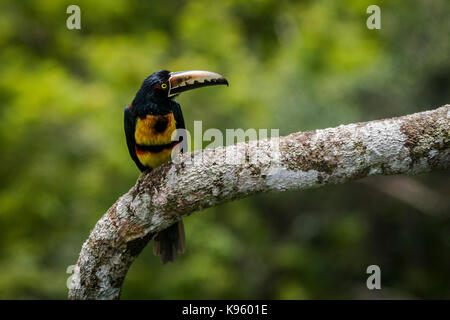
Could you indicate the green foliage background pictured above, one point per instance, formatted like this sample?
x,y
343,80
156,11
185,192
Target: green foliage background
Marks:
x,y
292,65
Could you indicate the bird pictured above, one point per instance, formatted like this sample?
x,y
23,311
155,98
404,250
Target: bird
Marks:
x,y
149,122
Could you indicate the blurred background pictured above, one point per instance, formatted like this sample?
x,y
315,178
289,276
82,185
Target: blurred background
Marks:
x,y
292,65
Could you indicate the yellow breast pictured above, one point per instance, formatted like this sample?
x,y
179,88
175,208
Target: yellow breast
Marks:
x,y
154,159
154,131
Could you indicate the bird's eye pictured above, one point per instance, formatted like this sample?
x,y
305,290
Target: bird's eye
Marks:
x,y
164,86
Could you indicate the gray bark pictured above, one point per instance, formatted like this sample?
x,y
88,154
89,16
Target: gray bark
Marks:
x,y
410,144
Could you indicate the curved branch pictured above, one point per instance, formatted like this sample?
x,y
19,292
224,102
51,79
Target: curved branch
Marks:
x,y
410,144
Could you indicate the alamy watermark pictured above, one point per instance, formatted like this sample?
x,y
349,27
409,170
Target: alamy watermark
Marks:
x,y
374,20
235,153
374,280
70,270
74,20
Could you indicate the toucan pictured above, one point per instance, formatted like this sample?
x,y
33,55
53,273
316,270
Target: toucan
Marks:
x,y
149,121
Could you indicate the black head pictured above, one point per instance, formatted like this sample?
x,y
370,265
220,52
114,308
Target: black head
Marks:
x,y
158,89
153,91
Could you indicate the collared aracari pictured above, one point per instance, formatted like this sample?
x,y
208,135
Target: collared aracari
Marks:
x,y
149,123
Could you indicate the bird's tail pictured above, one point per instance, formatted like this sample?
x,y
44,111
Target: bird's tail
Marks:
x,y
169,242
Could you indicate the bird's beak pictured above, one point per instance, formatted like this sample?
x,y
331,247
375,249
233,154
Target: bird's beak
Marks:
x,y
186,80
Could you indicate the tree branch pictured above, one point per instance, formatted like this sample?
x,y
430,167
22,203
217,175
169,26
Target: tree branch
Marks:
x,y
406,145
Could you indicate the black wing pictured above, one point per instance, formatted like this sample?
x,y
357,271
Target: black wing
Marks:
x,y
130,126
178,115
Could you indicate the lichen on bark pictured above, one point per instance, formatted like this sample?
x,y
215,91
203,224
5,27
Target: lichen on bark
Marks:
x,y
410,144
